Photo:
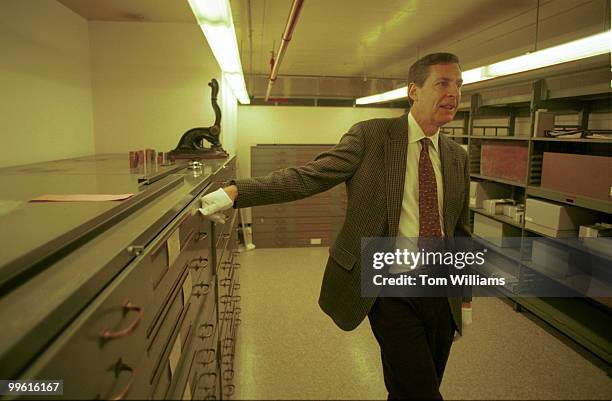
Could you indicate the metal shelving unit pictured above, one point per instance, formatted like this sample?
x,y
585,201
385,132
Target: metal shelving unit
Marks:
x,y
496,109
500,180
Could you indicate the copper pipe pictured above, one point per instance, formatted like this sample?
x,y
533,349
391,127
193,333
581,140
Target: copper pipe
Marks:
x,y
296,7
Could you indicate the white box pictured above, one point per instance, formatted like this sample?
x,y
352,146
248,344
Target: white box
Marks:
x,y
481,190
519,216
596,230
498,233
555,220
496,206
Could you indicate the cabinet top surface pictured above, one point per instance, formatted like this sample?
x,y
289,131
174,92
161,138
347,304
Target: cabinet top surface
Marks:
x,y
25,226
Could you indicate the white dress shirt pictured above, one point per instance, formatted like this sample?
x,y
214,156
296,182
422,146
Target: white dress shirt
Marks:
x,y
409,216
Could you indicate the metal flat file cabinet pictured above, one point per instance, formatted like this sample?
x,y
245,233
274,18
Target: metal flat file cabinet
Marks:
x,y
130,299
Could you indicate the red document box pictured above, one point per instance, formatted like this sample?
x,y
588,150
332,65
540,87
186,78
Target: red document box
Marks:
x,y
578,174
504,160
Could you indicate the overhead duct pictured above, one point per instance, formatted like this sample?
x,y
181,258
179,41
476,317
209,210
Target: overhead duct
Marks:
x,y
296,7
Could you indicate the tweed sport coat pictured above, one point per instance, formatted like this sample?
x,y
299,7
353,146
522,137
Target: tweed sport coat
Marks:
x,y
371,159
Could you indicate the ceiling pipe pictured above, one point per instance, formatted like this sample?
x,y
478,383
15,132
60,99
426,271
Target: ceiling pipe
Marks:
x,y
296,7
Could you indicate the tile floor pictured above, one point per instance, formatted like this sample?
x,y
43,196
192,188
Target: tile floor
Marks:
x,y
289,349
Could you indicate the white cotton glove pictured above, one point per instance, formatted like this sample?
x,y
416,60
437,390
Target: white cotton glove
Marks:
x,y
215,202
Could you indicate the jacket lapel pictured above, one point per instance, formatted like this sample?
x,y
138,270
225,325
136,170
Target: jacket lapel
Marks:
x,y
396,151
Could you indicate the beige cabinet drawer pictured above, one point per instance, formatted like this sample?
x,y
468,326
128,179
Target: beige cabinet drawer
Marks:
x,y
98,355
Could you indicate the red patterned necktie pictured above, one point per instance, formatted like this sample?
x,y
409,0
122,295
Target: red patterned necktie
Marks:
x,y
429,216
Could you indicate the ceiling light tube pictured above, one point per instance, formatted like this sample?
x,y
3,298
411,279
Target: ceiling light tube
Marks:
x,y
215,20
398,93
578,49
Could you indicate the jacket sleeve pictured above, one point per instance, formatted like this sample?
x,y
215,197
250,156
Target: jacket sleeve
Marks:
x,y
463,225
327,170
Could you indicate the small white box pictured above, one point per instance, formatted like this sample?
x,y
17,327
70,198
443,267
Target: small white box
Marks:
x,y
595,231
519,216
496,206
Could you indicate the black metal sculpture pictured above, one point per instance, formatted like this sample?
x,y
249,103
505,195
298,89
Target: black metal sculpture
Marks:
x,y
191,144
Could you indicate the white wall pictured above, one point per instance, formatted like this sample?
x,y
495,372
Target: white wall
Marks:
x,y
229,121
150,83
45,83
296,125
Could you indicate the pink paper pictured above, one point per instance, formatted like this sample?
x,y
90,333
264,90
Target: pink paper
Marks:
x,y
80,198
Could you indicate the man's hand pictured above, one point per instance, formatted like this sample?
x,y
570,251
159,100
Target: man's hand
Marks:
x,y
217,201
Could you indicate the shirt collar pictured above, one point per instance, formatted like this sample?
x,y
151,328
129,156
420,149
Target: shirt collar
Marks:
x,y
415,132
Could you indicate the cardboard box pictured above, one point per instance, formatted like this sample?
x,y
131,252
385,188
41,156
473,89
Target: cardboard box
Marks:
x,y
584,175
504,159
496,232
481,190
555,220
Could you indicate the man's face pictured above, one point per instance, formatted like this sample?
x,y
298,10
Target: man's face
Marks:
x,y
437,100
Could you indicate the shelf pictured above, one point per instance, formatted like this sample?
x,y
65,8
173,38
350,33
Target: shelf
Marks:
x,y
506,138
570,199
550,274
456,136
580,244
489,269
500,180
583,140
498,217
510,253
578,319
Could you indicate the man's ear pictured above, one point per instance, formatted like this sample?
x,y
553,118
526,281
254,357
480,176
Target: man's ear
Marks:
x,y
412,91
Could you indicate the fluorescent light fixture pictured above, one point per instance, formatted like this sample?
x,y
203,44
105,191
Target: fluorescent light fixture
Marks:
x,y
578,49
384,97
215,20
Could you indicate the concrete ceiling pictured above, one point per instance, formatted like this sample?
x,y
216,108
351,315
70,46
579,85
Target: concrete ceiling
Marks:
x,y
132,10
377,39
363,38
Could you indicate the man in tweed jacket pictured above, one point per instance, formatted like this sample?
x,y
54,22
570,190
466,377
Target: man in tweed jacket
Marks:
x,y
372,158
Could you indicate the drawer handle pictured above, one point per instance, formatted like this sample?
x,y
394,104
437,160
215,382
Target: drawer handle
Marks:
x,y
122,367
204,327
201,236
225,282
205,291
106,334
229,360
226,235
228,342
210,354
198,263
213,379
228,374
